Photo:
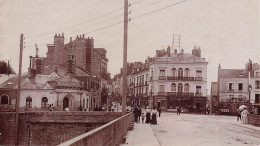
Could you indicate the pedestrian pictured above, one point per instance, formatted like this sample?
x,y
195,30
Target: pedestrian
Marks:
x,y
136,114
244,114
142,117
139,110
148,115
159,110
80,108
179,110
239,115
67,109
154,115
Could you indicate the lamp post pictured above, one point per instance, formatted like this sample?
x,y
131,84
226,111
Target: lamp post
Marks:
x,y
249,91
151,95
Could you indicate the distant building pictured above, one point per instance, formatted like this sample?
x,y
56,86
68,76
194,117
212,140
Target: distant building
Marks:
x,y
233,88
80,72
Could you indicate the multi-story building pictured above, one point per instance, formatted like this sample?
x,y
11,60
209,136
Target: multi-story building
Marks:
x,y
179,79
237,87
169,80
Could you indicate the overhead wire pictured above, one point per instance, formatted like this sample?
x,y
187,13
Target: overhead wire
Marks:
x,y
136,17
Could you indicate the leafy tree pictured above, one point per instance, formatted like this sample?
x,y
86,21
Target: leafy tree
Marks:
x,y
4,69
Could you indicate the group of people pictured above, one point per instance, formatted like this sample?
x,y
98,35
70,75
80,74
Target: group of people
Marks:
x,y
242,115
149,116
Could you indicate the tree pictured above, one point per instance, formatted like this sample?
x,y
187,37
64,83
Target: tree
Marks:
x,y
5,69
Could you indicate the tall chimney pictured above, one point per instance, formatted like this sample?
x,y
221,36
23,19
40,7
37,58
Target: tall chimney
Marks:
x,y
37,50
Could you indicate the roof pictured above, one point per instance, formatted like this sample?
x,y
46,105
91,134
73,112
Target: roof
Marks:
x,y
233,73
4,77
38,81
185,57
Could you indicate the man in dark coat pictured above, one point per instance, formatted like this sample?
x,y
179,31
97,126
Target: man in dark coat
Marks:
x,y
139,113
136,114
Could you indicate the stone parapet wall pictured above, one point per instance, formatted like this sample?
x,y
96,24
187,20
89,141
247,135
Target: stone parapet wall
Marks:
x,y
50,128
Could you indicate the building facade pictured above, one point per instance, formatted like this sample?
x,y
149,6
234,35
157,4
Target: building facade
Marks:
x,y
72,75
238,87
168,80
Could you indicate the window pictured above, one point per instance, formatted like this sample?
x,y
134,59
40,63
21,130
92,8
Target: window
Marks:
x,y
28,101
44,101
198,89
231,86
198,73
173,87
4,99
161,88
187,72
174,72
179,88
257,84
257,98
180,72
240,86
257,74
186,87
162,72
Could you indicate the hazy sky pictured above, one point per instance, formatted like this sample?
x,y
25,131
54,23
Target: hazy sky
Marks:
x,y
227,31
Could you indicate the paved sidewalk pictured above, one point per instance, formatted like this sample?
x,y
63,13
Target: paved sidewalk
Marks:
x,y
142,135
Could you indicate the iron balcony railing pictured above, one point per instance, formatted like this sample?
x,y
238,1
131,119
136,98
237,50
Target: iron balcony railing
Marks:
x,y
198,94
180,93
185,78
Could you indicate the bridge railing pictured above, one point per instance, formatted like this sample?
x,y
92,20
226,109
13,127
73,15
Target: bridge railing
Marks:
x,y
109,134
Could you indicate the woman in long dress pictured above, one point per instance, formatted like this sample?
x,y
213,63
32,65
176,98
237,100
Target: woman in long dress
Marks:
x,y
154,115
148,115
244,114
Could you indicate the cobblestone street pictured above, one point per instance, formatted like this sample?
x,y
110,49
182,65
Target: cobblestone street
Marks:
x,y
189,129
192,129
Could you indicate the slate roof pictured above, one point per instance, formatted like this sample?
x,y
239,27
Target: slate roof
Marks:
x,y
233,73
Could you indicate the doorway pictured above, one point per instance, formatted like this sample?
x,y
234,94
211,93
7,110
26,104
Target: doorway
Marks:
x,y
158,105
65,102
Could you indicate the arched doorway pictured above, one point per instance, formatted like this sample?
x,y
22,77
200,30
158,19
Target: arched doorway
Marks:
x,y
65,102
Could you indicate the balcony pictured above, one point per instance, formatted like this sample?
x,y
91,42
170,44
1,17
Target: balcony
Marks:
x,y
198,78
189,94
161,93
198,94
180,78
162,77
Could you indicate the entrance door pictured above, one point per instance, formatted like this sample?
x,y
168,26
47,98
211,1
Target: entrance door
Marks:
x,y
65,102
158,105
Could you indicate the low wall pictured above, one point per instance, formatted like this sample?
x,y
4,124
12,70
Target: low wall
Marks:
x,y
254,120
109,134
50,128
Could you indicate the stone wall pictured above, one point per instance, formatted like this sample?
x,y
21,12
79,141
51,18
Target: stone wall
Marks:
x,y
50,128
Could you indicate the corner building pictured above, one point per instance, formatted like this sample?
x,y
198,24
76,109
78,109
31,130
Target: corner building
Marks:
x,y
178,79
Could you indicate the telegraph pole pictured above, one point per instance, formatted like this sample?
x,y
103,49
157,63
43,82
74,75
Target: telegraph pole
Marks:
x,y
18,92
125,58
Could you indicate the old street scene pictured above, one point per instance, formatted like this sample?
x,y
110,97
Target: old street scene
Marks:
x,y
129,72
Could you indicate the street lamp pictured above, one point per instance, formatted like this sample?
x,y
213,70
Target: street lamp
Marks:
x,y
249,90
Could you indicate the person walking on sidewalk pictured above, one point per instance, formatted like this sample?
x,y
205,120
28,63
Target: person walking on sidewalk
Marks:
x,y
154,115
139,111
244,114
239,114
148,115
179,110
136,114
142,117
159,110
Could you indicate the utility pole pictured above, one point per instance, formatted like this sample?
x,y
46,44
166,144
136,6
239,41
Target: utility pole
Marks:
x,y
18,92
125,58
8,68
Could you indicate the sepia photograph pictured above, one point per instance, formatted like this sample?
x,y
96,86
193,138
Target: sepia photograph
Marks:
x,y
130,72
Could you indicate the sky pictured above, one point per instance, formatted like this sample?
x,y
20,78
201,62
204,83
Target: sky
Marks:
x,y
227,31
